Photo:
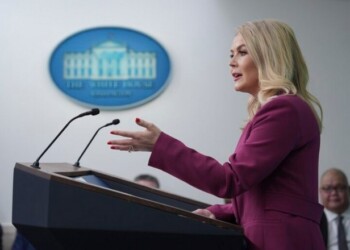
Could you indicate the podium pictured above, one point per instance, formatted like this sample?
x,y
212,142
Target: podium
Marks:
x,y
60,206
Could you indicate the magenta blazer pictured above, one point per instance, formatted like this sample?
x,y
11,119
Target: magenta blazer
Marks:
x,y
272,176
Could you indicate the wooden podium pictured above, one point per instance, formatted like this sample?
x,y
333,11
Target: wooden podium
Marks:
x,y
60,206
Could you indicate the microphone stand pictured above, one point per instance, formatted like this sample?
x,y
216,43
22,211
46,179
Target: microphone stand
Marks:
x,y
92,112
114,122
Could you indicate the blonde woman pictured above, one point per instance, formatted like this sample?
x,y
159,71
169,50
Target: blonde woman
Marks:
x,y
272,176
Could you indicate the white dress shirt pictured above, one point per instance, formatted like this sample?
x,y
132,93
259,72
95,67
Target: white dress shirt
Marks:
x,y
332,219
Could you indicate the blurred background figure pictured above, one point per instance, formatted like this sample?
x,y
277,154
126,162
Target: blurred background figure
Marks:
x,y
21,243
334,194
147,180
0,237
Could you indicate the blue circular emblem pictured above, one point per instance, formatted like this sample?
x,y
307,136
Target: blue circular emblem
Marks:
x,y
110,67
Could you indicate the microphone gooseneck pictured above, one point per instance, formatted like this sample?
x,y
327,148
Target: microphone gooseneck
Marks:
x,y
91,112
114,122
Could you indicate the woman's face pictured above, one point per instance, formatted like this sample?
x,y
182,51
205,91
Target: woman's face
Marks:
x,y
242,67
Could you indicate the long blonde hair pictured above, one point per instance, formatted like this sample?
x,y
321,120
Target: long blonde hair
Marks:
x,y
281,65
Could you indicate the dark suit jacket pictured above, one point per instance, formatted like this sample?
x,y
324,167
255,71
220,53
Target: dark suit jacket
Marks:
x,y
324,228
0,237
21,243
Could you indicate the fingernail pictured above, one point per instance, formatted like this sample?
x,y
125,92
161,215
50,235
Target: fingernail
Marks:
x,y
137,120
109,142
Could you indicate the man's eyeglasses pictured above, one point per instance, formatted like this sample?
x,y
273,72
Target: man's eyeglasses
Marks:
x,y
338,189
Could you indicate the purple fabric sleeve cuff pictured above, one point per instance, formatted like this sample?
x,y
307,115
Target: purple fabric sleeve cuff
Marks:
x,y
223,212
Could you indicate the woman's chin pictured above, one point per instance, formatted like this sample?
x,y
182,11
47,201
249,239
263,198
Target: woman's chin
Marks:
x,y
237,87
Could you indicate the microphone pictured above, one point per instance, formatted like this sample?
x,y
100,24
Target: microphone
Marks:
x,y
91,112
114,122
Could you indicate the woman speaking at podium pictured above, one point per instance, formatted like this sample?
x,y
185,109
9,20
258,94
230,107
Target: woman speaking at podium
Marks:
x,y
272,176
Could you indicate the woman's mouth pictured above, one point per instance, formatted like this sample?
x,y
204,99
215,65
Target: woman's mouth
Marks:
x,y
236,76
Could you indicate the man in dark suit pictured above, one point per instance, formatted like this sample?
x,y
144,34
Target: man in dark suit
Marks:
x,y
335,223
0,237
21,243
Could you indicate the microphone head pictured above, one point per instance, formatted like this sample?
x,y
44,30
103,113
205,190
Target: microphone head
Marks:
x,y
95,111
115,122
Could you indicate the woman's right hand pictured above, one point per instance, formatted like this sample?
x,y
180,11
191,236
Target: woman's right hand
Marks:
x,y
136,140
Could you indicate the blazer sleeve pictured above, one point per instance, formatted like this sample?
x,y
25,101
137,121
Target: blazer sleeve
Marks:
x,y
223,212
266,141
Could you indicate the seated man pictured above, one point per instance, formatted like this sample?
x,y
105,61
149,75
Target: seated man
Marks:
x,y
334,194
21,243
147,180
0,237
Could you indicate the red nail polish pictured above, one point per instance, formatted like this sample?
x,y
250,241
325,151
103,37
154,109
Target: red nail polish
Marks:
x,y
137,120
109,143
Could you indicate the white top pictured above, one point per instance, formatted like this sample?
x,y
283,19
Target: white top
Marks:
x,y
332,219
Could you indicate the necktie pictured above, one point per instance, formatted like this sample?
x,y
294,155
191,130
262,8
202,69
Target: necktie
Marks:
x,y
342,243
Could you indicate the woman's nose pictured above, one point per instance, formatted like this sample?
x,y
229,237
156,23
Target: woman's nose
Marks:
x,y
233,62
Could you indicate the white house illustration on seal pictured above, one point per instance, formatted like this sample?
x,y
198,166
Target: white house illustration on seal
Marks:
x,y
110,61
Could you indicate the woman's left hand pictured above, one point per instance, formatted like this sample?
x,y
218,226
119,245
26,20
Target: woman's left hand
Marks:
x,y
136,140
205,213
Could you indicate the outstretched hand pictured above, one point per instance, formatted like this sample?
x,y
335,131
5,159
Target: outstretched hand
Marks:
x,y
136,140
